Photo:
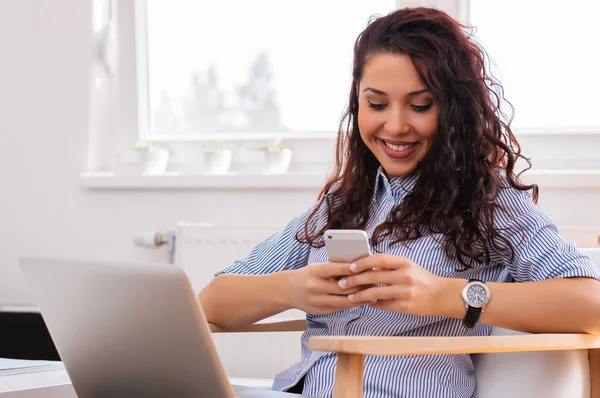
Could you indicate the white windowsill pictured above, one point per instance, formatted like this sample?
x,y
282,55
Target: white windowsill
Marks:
x,y
562,179
100,180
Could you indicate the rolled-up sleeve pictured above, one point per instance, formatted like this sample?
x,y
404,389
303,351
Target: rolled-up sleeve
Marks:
x,y
280,251
539,250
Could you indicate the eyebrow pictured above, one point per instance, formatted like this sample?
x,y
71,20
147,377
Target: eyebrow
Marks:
x,y
411,94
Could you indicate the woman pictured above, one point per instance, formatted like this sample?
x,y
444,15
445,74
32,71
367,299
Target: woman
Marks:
x,y
426,167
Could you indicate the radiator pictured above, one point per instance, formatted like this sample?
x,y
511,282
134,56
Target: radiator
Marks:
x,y
201,251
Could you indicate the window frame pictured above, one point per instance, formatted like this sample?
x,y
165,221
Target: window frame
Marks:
x,y
130,122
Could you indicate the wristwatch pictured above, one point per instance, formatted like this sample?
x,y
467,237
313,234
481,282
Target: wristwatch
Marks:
x,y
476,295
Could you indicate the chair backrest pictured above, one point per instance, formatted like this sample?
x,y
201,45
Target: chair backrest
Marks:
x,y
549,374
593,253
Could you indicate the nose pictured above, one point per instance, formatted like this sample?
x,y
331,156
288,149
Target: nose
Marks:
x,y
397,122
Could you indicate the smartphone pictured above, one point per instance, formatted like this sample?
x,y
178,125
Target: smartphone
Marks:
x,y
346,245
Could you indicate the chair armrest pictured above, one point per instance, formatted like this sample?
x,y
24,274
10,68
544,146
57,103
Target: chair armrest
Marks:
x,y
288,325
388,346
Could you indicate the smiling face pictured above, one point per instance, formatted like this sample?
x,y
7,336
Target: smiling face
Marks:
x,y
397,115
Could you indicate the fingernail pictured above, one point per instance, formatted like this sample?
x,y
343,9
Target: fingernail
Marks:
x,y
342,283
351,297
353,267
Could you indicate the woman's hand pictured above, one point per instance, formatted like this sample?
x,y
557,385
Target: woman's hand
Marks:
x,y
408,287
314,289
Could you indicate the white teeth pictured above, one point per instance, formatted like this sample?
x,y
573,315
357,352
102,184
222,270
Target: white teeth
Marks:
x,y
399,148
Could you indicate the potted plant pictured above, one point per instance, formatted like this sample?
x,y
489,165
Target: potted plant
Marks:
x,y
217,159
277,157
145,158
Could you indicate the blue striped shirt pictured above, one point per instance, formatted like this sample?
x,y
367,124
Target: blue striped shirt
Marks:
x,y
540,253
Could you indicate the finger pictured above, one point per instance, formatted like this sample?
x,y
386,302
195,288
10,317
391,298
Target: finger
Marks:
x,y
332,270
339,302
367,278
382,261
374,294
317,286
333,287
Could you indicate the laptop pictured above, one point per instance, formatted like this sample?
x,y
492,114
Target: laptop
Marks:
x,y
130,330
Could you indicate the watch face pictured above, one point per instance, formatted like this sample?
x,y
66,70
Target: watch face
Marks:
x,y
477,294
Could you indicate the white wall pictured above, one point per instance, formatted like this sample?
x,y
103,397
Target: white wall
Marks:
x,y
43,119
43,140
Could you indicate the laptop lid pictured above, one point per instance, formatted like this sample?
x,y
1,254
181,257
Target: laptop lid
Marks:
x,y
127,330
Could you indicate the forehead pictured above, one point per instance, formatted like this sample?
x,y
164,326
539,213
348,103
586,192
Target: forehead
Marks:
x,y
393,73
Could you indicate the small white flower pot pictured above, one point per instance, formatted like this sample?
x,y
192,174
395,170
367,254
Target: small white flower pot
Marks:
x,y
277,161
148,162
155,161
218,161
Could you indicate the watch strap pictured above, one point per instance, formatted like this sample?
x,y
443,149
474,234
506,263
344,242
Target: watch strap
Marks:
x,y
471,317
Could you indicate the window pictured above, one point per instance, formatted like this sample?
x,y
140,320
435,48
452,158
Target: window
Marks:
x,y
547,58
251,67
188,74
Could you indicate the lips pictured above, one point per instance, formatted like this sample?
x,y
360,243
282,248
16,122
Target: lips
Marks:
x,y
398,149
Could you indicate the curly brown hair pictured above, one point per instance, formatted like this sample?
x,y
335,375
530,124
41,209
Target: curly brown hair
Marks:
x,y
461,176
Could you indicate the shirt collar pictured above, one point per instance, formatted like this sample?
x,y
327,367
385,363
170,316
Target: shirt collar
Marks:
x,y
398,187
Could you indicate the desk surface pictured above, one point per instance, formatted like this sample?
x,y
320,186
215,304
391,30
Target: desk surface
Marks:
x,y
42,379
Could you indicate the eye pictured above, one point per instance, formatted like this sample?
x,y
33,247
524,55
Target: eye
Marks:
x,y
377,107
422,108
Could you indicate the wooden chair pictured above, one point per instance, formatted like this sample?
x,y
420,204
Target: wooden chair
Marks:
x,y
508,364
568,376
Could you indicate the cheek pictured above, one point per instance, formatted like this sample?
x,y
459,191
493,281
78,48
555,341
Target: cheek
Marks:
x,y
428,126
362,122
367,122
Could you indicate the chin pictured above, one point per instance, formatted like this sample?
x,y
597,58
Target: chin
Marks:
x,y
398,171
399,167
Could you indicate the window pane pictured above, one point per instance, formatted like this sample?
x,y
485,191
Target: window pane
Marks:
x,y
547,56
255,66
